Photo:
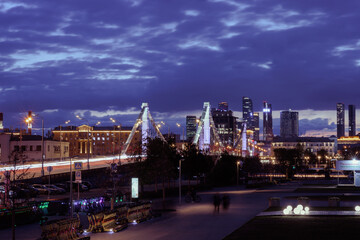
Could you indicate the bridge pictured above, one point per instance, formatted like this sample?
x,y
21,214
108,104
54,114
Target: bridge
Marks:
x,y
206,138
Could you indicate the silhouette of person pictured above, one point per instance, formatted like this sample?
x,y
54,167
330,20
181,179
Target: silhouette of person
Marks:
x,y
217,202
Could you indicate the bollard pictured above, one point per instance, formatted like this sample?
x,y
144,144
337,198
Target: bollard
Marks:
x,y
274,202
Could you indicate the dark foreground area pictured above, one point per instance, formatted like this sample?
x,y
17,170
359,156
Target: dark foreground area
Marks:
x,y
298,227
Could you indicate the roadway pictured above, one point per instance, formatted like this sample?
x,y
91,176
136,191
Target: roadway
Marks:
x,y
34,168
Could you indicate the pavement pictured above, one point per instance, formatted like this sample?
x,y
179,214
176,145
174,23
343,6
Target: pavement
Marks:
x,y
190,220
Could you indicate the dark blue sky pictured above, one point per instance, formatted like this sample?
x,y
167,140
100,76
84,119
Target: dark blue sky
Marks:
x,y
104,58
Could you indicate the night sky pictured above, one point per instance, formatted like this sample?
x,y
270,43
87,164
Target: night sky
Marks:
x,y
102,59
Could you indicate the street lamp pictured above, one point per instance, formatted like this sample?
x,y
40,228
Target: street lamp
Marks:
x,y
180,160
120,148
183,133
237,172
88,147
29,121
66,122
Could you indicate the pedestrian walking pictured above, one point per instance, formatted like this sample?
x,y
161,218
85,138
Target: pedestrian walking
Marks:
x,y
217,202
226,201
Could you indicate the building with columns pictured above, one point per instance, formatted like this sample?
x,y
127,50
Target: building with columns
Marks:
x,y
96,140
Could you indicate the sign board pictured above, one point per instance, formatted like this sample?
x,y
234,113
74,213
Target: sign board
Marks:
x,y
78,165
134,187
357,179
49,169
78,176
348,165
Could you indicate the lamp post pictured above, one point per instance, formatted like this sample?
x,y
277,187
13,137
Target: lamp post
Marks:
x,y
120,148
183,133
88,147
71,190
180,160
29,121
237,172
66,122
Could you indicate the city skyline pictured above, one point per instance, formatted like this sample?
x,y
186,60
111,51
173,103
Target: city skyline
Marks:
x,y
103,60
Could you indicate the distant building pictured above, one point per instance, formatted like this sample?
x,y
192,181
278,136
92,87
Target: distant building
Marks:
x,y
344,142
255,125
352,120
340,122
289,124
1,121
223,106
225,124
247,108
31,148
191,127
267,122
313,144
101,140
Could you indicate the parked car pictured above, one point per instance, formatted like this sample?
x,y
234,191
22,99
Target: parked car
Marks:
x,y
82,187
87,184
56,189
42,189
63,186
20,192
32,191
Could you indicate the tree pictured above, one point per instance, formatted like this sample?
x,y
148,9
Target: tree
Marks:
x,y
289,159
11,176
224,172
252,165
161,160
195,163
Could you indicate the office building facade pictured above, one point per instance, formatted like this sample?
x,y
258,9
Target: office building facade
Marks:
x,y
247,108
340,120
225,124
289,124
191,127
352,120
267,122
256,127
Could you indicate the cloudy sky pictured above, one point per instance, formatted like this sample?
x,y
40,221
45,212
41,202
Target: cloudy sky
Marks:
x,y
103,59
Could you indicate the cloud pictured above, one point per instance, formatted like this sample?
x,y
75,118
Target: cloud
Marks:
x,y
192,13
176,55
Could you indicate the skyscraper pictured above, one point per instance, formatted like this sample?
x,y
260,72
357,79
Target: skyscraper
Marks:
x,y
247,107
289,124
267,122
190,127
255,125
223,106
352,120
225,124
340,123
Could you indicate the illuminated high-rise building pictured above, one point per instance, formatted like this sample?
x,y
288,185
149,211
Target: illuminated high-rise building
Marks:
x,y
190,127
340,122
255,125
267,122
223,106
352,120
225,124
247,108
289,124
